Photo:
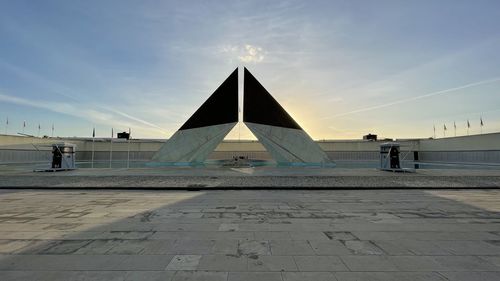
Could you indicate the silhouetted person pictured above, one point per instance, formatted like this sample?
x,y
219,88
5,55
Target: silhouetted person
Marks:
x,y
57,159
394,154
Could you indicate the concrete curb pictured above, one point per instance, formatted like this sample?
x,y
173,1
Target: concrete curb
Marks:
x,y
249,182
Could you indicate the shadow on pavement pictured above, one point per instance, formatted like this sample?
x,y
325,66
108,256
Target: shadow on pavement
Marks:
x,y
250,235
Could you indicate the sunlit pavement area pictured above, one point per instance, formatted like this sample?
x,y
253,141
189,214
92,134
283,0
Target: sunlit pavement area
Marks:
x,y
247,177
260,235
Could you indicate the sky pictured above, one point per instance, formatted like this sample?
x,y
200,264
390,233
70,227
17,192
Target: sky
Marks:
x,y
342,69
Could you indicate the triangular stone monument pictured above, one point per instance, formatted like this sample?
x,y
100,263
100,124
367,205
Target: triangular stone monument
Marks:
x,y
282,137
206,128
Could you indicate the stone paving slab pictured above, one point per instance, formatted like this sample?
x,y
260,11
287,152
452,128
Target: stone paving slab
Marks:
x,y
283,235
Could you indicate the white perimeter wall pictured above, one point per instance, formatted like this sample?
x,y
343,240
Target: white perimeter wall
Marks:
x,y
477,148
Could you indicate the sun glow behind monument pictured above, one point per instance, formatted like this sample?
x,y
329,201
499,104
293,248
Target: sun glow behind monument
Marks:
x,y
285,140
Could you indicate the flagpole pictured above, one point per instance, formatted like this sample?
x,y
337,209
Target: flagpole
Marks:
x,y
7,125
38,130
93,138
434,131
24,125
52,130
111,150
128,149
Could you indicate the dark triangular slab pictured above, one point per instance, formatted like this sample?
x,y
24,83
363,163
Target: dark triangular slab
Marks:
x,y
261,108
220,108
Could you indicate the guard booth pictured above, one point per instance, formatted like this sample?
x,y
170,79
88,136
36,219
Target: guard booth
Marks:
x,y
389,157
63,156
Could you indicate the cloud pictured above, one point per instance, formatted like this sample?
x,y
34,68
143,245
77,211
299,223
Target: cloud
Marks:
x,y
416,97
134,118
247,53
253,54
78,107
84,112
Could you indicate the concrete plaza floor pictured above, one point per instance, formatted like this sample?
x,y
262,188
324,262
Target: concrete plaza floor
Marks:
x,y
265,235
258,177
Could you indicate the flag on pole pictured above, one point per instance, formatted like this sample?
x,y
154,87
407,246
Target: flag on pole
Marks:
x,y
93,132
7,121
454,125
112,133
468,123
481,118
24,124
444,127
129,133
38,126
